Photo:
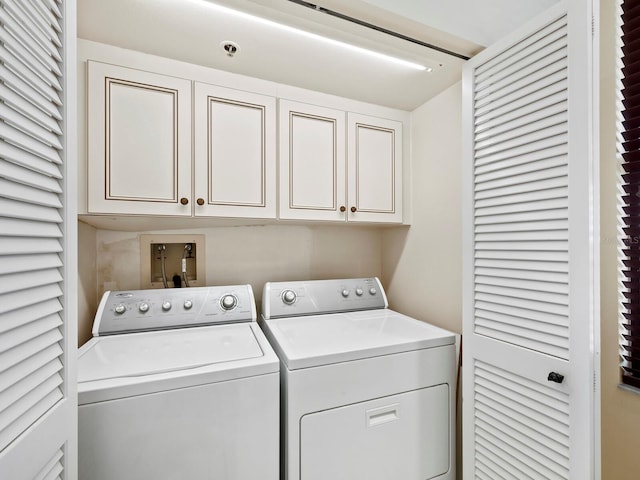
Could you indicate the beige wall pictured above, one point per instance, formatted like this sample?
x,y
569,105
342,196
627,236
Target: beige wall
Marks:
x,y
87,296
620,408
255,254
422,265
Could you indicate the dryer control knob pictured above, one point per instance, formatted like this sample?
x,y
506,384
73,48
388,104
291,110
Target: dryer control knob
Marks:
x,y
359,292
120,309
373,291
166,306
345,293
144,307
288,297
187,304
228,302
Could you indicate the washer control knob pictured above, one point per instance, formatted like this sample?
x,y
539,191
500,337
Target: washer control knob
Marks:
x,y
345,293
187,304
359,292
288,297
373,290
166,305
228,302
120,309
144,307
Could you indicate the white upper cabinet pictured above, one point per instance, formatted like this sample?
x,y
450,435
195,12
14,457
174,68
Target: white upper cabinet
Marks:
x,y
374,169
234,146
169,139
312,162
139,142
330,170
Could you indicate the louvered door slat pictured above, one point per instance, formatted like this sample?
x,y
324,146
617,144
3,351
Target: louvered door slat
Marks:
x,y
14,282
17,119
545,318
28,382
519,166
532,196
15,174
37,98
27,109
544,88
49,43
47,72
27,263
27,228
28,211
510,265
30,163
19,35
20,67
29,313
28,143
525,73
519,127
29,246
34,405
53,468
37,192
532,113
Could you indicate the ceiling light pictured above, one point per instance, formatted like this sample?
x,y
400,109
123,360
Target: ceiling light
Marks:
x,y
297,31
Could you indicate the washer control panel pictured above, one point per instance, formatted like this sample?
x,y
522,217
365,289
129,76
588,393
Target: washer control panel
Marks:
x,y
315,297
159,309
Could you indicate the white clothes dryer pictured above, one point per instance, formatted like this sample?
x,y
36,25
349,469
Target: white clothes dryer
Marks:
x,y
178,384
367,393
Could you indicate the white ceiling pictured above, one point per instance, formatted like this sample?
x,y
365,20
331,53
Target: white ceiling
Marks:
x,y
483,22
190,30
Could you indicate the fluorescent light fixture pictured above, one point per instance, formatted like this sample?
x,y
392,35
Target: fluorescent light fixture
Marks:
x,y
297,31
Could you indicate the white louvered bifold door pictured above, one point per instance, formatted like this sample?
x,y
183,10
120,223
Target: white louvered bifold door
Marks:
x,y
528,362
37,240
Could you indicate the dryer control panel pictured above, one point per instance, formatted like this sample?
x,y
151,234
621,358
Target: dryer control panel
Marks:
x,y
159,309
315,297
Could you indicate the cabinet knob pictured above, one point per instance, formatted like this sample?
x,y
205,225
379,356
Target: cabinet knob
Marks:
x,y
343,208
184,201
354,209
200,201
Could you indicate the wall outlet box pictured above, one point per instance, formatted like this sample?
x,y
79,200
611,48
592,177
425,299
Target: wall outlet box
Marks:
x,y
180,259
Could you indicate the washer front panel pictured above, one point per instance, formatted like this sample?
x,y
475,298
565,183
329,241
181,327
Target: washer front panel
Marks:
x,y
158,309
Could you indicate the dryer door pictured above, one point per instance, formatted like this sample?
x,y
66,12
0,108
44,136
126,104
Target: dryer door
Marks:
x,y
401,436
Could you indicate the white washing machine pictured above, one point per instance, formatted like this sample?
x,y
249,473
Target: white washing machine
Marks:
x,y
367,393
178,384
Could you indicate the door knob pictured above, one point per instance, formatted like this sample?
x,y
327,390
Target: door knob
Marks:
x,y
184,200
555,377
343,208
200,201
354,209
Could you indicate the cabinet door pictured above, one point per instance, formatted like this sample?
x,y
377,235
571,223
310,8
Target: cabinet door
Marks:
x,y
375,169
139,142
234,153
312,162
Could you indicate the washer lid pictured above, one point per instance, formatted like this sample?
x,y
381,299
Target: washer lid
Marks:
x,y
148,353
315,340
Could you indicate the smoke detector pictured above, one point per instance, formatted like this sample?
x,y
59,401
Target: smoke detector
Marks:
x,y
230,48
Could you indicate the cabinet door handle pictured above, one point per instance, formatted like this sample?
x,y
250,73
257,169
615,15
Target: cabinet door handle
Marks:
x,y
354,209
555,377
200,201
184,201
343,208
